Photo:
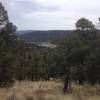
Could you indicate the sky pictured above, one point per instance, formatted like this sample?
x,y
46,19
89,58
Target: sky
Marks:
x,y
50,14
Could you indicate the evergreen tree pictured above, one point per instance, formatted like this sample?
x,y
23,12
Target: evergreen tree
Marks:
x,y
7,46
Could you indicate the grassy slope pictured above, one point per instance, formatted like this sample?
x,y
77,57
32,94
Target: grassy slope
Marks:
x,y
48,91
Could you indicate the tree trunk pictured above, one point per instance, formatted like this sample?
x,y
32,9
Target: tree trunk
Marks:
x,y
66,83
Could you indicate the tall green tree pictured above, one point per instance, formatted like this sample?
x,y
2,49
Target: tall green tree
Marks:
x,y
76,51
84,24
7,47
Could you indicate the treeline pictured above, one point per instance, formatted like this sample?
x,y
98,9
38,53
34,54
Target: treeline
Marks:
x,y
76,58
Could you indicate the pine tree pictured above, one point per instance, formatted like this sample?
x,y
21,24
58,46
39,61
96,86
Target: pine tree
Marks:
x,y
7,47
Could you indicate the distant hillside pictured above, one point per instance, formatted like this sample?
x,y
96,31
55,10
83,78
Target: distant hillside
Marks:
x,y
23,32
40,36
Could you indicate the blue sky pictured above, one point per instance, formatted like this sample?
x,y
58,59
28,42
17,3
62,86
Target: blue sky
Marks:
x,y
50,14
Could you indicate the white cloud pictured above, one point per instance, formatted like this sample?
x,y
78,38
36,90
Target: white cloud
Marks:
x,y
50,14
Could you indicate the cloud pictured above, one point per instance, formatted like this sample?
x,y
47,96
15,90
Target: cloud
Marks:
x,y
50,14
29,6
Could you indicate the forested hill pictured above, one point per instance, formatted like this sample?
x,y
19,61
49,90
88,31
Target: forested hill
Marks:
x,y
39,36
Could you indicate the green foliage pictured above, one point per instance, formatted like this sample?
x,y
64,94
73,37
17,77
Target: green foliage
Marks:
x,y
81,51
7,46
3,15
84,24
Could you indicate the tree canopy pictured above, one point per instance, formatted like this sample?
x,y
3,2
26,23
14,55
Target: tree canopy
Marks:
x,y
84,24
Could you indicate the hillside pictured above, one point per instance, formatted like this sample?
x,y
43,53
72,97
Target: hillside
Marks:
x,y
40,36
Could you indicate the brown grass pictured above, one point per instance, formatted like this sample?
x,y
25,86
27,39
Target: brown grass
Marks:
x,y
48,91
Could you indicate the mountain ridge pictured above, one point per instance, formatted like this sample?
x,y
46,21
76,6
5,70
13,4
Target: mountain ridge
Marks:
x,y
43,35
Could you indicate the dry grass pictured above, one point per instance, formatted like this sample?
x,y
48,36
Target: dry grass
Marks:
x,y
48,91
